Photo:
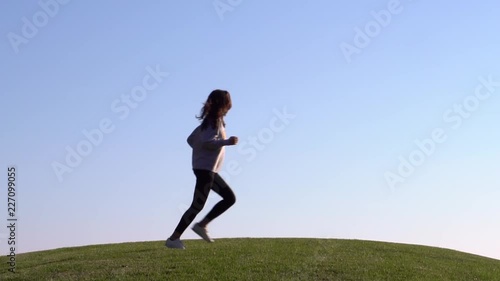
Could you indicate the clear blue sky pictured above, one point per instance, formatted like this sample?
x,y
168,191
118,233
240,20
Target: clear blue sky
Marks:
x,y
323,174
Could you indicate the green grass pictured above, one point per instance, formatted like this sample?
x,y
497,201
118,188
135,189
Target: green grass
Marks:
x,y
253,259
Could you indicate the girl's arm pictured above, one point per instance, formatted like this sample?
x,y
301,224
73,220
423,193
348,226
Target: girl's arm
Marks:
x,y
190,139
210,141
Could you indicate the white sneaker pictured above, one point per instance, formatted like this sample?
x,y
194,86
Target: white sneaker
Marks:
x,y
174,244
202,231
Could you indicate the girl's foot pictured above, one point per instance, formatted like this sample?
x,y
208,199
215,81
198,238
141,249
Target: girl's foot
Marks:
x,y
202,232
174,244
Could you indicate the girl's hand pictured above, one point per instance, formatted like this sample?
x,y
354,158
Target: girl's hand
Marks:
x,y
233,140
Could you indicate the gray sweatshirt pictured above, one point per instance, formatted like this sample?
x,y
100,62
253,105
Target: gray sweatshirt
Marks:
x,y
208,147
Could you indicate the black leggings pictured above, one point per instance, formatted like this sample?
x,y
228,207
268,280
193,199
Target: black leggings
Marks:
x,y
205,181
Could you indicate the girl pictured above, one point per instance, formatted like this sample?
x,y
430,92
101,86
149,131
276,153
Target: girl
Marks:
x,y
207,141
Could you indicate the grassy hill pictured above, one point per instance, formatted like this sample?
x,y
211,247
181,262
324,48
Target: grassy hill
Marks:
x,y
253,259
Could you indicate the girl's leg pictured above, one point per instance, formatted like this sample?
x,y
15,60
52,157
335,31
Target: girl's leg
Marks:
x,y
228,200
204,181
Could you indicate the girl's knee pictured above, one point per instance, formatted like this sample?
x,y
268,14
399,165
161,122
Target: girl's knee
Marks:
x,y
231,199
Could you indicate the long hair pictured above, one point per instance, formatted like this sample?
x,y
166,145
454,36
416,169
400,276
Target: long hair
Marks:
x,y
215,108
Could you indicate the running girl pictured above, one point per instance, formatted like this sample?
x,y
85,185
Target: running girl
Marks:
x,y
207,141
